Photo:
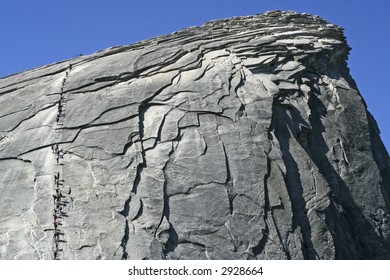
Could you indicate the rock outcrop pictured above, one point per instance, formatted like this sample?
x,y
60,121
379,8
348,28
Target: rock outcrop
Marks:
x,y
244,138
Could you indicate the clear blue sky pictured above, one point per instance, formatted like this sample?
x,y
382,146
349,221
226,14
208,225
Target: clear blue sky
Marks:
x,y
38,32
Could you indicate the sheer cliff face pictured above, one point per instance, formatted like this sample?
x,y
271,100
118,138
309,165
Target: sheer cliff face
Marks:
x,y
244,138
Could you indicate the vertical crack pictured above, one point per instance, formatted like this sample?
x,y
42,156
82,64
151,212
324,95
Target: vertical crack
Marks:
x,y
143,107
285,250
124,240
172,241
263,241
126,209
229,181
293,179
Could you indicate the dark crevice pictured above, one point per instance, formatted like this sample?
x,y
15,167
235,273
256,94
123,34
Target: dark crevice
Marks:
x,y
106,82
158,138
123,77
140,71
172,242
95,87
29,117
241,112
124,241
209,67
173,239
229,181
210,113
193,242
193,65
113,108
259,248
78,89
36,77
91,124
144,106
281,241
137,180
15,158
166,208
48,145
9,90
84,246
126,147
18,111
292,177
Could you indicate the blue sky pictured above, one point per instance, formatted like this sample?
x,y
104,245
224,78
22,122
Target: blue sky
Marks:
x,y
38,32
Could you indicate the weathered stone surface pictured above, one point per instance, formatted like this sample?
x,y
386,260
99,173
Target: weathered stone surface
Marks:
x,y
245,138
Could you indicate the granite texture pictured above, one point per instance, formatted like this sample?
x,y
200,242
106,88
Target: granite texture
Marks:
x,y
244,138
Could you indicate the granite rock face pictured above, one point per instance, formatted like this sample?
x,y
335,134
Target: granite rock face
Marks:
x,y
244,138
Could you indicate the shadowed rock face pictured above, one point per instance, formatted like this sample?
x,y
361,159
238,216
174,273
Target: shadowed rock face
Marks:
x,y
245,138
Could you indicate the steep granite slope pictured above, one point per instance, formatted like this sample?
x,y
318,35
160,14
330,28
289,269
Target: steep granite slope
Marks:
x,y
245,138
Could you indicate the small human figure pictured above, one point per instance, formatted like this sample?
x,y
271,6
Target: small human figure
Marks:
x,y
61,153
